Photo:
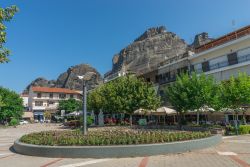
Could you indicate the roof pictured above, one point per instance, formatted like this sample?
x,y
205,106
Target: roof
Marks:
x,y
54,90
24,95
224,39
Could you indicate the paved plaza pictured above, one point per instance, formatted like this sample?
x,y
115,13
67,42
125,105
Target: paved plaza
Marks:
x,y
233,151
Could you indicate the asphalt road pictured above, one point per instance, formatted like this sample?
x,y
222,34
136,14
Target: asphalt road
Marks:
x,y
232,152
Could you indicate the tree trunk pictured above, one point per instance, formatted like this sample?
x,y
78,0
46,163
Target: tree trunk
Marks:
x,y
180,120
130,119
198,118
244,117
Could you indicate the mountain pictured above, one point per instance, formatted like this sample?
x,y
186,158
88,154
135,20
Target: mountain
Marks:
x,y
148,50
69,80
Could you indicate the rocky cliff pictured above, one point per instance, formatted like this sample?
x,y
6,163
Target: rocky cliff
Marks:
x,y
69,79
148,50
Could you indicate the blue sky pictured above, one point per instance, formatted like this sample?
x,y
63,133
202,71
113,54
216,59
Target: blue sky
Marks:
x,y
48,36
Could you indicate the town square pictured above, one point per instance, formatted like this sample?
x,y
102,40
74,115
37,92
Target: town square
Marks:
x,y
144,83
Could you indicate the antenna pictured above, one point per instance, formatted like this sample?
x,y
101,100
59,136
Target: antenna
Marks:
x,y
233,24
234,28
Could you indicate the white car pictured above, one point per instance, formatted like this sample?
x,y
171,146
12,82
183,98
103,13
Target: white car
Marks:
x,y
23,122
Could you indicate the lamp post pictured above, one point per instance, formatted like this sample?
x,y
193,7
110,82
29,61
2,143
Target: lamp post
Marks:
x,y
85,78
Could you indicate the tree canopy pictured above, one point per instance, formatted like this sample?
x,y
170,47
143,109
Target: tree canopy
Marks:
x,y
124,95
192,92
6,14
70,105
235,93
11,104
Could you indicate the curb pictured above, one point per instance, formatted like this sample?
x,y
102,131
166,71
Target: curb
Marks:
x,y
115,151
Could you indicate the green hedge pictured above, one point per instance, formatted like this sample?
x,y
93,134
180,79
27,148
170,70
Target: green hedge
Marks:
x,y
109,137
244,129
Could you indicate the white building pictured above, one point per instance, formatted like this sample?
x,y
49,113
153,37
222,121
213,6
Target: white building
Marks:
x,y
25,98
225,56
43,99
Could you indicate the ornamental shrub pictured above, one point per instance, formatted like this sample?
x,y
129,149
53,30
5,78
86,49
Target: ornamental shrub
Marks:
x,y
244,129
14,122
110,137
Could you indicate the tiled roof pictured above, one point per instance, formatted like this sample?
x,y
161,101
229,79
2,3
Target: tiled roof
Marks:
x,y
24,95
53,90
224,39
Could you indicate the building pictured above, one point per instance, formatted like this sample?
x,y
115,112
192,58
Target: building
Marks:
x,y
225,56
25,98
43,99
27,114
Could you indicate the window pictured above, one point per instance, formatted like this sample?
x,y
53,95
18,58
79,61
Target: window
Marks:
x,y
51,95
39,95
71,96
166,76
232,58
38,103
156,78
205,66
79,96
50,103
62,96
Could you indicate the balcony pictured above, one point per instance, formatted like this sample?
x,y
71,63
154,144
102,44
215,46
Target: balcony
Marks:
x,y
167,80
241,59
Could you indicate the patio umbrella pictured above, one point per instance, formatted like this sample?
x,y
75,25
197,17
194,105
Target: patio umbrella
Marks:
x,y
203,109
142,111
165,111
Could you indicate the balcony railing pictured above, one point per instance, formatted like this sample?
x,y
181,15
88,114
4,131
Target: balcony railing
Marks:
x,y
222,64
167,80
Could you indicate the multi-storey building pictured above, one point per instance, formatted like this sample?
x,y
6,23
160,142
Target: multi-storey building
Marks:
x,y
43,99
224,56
27,114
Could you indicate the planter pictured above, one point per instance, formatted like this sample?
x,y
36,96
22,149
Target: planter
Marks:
x,y
115,151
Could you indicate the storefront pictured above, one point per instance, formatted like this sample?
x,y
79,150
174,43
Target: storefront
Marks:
x,y
38,115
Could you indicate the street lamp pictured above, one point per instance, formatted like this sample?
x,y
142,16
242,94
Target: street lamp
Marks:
x,y
85,78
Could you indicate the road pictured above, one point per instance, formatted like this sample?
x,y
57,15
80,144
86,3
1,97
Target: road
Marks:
x,y
232,152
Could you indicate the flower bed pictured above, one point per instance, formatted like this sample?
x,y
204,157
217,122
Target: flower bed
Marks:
x,y
109,137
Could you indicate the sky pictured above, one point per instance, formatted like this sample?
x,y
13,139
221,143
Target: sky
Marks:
x,y
48,36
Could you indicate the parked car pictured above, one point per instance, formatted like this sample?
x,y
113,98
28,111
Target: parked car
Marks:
x,y
23,122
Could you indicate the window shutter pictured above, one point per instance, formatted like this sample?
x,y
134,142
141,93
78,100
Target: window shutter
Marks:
x,y
205,66
232,58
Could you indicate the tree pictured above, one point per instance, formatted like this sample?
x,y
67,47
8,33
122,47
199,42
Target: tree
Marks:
x,y
95,100
1,102
235,93
5,16
47,115
192,93
11,105
70,105
125,95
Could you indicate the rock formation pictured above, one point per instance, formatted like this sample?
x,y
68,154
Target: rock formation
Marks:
x,y
148,50
69,80
201,39
40,82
